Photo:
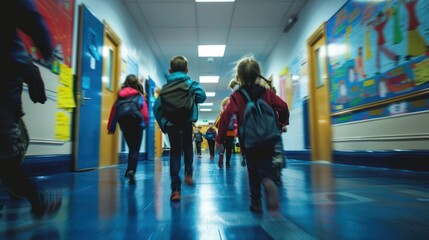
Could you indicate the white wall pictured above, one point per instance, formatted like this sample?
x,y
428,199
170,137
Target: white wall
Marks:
x,y
292,45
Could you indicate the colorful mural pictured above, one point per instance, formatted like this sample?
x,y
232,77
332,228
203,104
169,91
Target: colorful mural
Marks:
x,y
378,51
59,17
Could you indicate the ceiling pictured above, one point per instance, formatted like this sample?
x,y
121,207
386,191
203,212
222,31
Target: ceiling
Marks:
x,y
247,27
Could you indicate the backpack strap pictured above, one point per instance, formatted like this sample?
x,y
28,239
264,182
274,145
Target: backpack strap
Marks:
x,y
245,94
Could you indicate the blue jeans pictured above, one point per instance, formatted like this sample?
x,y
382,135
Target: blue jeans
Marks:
x,y
180,136
133,134
211,143
198,146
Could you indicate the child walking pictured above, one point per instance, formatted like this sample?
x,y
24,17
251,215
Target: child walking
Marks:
x,y
259,163
229,139
132,116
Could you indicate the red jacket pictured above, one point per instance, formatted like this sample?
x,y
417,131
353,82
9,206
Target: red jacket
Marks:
x,y
237,105
124,93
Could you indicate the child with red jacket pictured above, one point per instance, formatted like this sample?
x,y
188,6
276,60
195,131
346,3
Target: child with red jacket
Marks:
x,y
259,163
132,125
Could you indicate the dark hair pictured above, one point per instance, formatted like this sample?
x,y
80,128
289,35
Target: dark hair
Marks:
x,y
133,82
248,71
179,64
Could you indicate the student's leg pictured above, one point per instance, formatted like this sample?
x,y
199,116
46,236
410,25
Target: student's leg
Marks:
x,y
133,134
12,149
229,141
254,182
211,147
198,148
175,155
187,148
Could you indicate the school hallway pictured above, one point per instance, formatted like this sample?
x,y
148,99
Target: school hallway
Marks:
x,y
318,201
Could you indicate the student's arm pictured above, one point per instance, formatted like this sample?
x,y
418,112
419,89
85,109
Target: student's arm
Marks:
x,y
198,92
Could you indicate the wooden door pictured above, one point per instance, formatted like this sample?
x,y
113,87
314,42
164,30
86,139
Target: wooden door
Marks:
x,y
109,144
319,103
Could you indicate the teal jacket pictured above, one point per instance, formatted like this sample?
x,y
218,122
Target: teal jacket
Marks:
x,y
197,92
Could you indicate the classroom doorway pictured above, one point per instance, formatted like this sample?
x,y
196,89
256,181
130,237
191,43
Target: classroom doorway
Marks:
x,y
109,144
319,99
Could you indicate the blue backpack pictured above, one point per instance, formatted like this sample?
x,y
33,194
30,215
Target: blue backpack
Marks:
x,y
130,108
210,135
259,128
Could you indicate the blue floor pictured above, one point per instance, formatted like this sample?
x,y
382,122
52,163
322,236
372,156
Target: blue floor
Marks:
x,y
318,201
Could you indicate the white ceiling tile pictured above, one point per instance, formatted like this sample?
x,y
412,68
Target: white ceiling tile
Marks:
x,y
171,36
212,36
259,14
214,14
251,35
169,14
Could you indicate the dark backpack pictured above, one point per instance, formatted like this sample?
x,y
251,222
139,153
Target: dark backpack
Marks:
x,y
129,107
210,135
259,128
177,101
198,137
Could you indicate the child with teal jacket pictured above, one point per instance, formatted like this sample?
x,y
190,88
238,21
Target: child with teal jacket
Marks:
x,y
180,134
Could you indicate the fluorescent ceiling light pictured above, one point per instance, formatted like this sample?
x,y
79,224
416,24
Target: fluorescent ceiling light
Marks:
x,y
214,0
210,94
211,50
209,79
205,109
206,104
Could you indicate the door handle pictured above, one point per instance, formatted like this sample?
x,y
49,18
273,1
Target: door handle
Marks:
x,y
83,98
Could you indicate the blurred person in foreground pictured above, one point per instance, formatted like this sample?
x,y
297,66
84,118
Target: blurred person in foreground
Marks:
x,y
18,68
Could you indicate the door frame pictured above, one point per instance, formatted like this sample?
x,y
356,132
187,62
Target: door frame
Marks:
x,y
321,144
111,36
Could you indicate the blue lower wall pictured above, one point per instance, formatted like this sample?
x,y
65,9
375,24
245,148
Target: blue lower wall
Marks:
x,y
47,165
407,160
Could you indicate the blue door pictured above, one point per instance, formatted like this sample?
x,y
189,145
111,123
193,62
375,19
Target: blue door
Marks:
x,y
88,91
150,130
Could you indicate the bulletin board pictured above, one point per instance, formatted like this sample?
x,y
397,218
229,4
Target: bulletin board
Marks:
x,y
379,51
59,16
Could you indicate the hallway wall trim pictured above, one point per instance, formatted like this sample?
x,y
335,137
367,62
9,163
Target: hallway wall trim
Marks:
x,y
414,160
40,165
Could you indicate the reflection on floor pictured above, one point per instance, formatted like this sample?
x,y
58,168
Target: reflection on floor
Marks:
x,y
318,201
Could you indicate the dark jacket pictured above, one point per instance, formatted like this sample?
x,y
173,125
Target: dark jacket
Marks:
x,y
197,92
125,93
237,105
22,15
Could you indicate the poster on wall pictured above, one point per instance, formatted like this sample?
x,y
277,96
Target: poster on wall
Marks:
x,y
293,81
59,17
378,51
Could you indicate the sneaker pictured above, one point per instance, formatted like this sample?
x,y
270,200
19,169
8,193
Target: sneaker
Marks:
x,y
199,156
255,205
211,157
271,194
49,203
175,196
220,161
189,181
228,165
131,177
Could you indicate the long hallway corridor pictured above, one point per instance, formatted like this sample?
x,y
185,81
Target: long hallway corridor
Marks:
x,y
318,201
